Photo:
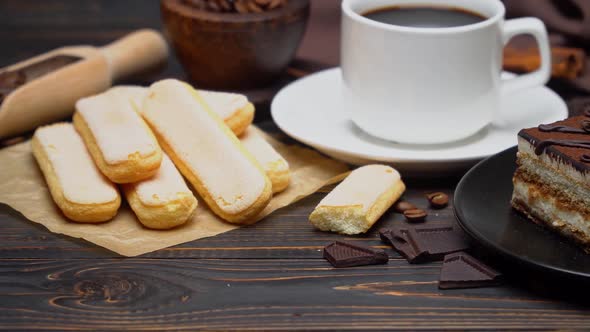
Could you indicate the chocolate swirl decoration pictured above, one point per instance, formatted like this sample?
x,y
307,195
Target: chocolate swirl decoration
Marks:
x,y
566,129
580,144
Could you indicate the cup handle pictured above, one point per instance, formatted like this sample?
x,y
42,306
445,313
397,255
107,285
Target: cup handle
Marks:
x,y
536,28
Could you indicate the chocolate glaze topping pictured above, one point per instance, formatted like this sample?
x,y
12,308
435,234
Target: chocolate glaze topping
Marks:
x,y
573,143
580,144
567,141
563,129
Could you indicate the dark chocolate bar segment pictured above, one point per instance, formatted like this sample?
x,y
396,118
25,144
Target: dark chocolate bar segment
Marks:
x,y
400,243
345,254
425,242
460,270
438,240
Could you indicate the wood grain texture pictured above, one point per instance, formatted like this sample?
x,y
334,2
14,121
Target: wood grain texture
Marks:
x,y
267,276
268,294
285,233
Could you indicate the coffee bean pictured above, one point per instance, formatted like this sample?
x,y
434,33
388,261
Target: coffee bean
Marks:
x,y
438,200
415,215
401,206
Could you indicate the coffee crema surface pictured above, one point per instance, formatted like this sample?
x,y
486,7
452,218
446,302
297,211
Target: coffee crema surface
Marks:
x,y
424,16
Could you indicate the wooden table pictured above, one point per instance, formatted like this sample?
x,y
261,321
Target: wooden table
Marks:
x,y
267,276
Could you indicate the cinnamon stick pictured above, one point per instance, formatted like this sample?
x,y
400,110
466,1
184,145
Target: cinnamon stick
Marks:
x,y
522,56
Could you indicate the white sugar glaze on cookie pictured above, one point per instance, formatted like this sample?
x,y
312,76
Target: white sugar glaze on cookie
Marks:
x,y
225,104
167,185
117,129
80,179
205,144
362,187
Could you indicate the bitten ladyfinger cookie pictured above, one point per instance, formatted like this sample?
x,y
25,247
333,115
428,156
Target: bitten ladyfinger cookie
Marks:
x,y
76,185
206,151
233,108
358,201
275,166
121,144
162,201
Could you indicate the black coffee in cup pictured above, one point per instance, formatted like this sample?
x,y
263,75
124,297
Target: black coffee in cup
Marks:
x,y
424,16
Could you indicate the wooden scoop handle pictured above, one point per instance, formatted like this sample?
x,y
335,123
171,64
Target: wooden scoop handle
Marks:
x,y
135,53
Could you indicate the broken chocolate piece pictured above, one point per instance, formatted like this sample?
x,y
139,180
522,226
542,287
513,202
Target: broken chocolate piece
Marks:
x,y
407,249
344,254
437,240
424,243
460,270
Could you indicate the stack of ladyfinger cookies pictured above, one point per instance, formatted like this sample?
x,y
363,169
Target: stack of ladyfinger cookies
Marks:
x,y
144,140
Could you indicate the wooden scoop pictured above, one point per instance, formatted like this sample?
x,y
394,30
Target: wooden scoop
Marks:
x,y
45,88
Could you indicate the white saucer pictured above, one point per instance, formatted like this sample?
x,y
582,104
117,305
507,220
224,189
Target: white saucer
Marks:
x,y
309,111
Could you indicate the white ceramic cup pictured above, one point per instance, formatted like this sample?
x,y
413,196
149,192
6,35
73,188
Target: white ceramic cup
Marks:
x,y
430,85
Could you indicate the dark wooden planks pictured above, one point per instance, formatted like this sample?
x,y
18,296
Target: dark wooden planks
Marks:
x,y
38,26
249,294
284,234
267,275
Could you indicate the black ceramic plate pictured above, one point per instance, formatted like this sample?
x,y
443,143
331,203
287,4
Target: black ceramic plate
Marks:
x,y
482,206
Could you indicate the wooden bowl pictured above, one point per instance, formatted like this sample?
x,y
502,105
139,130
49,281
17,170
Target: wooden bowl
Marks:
x,y
234,51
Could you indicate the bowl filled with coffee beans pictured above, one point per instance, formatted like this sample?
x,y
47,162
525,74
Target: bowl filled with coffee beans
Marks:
x,y
234,44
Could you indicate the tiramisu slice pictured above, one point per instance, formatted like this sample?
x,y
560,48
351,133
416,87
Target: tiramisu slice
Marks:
x,y
552,182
